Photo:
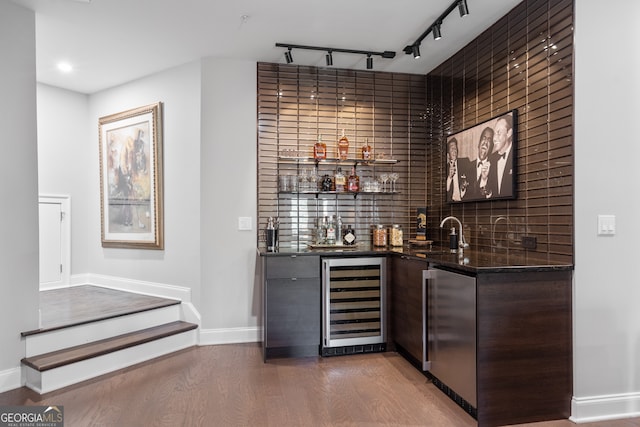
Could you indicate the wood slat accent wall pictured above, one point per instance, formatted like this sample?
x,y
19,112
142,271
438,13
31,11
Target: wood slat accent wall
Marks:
x,y
523,62
297,103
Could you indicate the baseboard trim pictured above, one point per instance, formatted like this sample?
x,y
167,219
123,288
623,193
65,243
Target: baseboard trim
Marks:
x,y
130,285
602,408
230,335
206,336
11,379
189,311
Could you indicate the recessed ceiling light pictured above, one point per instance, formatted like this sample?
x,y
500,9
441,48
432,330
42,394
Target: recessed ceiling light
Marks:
x,y
65,67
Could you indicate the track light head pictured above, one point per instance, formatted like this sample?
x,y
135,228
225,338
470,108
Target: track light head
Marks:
x,y
369,62
437,35
415,49
288,57
462,7
329,57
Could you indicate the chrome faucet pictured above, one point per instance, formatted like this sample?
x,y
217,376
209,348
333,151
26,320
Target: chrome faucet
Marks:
x,y
462,242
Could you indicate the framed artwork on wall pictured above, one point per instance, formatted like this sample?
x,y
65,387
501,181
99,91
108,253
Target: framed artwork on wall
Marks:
x,y
480,161
131,178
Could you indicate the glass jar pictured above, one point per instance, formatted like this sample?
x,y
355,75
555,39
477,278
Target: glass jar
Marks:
x,y
379,235
395,235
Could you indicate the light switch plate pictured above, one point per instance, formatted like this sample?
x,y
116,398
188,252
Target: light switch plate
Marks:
x,y
244,223
606,225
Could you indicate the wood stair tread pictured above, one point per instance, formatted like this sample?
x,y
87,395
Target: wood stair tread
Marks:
x,y
55,359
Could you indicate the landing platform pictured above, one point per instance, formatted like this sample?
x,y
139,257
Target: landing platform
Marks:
x,y
77,305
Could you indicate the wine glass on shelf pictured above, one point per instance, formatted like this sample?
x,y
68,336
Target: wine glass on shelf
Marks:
x,y
393,177
384,177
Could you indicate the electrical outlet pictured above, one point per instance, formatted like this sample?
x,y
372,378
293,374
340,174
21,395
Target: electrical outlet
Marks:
x,y
529,242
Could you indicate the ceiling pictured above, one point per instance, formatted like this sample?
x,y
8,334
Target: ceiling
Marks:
x,y
110,42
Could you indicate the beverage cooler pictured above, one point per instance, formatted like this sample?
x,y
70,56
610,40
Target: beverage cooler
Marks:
x,y
353,305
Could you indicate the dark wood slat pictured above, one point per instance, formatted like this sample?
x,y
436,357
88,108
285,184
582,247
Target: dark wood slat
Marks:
x,y
56,359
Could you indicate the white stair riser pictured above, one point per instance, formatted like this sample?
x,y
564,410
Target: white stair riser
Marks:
x,y
81,334
53,379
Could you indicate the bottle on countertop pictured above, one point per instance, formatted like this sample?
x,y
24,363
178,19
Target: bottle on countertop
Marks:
x,y
320,149
321,231
331,231
338,230
349,236
343,147
353,182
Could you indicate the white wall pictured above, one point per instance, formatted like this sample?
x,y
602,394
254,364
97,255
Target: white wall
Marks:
x,y
65,153
230,301
18,188
607,287
179,263
209,181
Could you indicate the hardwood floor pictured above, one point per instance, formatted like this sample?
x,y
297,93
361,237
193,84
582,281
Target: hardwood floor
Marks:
x,y
229,385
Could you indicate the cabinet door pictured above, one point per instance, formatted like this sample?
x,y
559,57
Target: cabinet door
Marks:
x,y
292,313
409,308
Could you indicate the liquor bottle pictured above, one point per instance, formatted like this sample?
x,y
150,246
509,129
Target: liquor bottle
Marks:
x,y
331,231
353,182
340,180
321,231
366,150
326,183
338,230
343,147
320,149
349,236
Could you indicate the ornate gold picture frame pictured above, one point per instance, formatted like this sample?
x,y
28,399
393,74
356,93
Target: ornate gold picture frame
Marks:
x,y
131,201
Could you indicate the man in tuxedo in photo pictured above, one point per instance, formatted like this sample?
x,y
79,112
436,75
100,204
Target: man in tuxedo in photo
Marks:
x,y
502,159
485,183
457,173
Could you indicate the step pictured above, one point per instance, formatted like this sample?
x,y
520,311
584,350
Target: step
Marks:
x,y
55,359
58,369
51,340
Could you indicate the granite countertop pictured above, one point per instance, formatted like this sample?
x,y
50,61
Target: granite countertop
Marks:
x,y
472,262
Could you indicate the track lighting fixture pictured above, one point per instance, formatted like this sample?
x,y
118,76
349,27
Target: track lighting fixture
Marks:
x,y
415,49
462,7
437,35
435,27
329,56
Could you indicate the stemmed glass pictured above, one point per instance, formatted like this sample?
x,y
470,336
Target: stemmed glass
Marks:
x,y
384,177
393,177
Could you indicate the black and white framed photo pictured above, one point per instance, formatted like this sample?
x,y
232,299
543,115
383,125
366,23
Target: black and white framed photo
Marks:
x,y
480,161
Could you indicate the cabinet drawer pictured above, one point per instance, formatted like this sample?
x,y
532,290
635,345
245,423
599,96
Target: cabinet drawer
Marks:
x,y
284,267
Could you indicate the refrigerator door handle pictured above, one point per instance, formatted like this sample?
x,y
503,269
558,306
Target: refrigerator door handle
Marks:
x,y
426,276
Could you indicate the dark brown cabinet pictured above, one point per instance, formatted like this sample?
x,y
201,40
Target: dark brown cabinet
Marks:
x,y
524,354
504,343
292,301
408,295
